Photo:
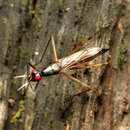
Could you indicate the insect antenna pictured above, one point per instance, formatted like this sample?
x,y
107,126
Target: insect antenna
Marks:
x,y
31,65
43,52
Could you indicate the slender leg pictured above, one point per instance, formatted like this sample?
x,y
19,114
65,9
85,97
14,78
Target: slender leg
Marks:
x,y
80,93
43,52
76,80
54,49
89,38
36,85
84,67
81,44
88,67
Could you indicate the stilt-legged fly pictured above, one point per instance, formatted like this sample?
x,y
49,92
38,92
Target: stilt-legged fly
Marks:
x,y
75,60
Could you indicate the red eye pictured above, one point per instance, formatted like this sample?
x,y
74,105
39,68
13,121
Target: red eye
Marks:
x,y
35,75
38,78
34,70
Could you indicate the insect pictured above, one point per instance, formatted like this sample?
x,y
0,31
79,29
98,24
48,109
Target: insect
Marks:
x,y
77,59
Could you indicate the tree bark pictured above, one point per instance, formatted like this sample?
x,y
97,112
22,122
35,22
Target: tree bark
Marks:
x,y
26,27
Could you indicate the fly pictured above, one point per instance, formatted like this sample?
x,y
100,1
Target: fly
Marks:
x,y
77,59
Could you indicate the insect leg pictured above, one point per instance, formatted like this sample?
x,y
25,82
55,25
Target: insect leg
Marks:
x,y
76,80
36,85
43,52
87,67
102,30
81,44
54,49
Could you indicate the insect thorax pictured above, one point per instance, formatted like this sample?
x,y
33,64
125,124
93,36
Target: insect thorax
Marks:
x,y
52,69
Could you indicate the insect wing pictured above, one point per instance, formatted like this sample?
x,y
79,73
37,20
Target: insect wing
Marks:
x,y
79,57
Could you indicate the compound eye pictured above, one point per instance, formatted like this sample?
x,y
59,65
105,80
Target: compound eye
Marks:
x,y
38,77
34,70
35,75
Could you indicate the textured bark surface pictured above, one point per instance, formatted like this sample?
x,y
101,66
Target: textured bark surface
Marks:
x,y
25,28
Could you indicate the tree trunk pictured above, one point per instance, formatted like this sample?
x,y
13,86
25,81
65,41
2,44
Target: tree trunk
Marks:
x,y
26,27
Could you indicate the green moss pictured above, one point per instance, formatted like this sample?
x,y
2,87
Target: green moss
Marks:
x,y
60,2
121,59
26,33
15,118
21,106
19,113
5,21
22,50
25,2
32,12
13,82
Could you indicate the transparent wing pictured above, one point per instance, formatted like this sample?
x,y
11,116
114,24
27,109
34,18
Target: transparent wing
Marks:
x,y
79,57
